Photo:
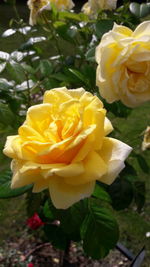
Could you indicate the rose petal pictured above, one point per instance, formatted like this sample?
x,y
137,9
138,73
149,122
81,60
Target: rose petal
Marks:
x,y
64,195
94,166
8,150
142,30
21,179
114,153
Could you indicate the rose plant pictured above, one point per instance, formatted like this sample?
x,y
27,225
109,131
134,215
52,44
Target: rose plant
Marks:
x,y
62,157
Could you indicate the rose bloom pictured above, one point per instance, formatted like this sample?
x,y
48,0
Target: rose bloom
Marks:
x,y
37,6
34,222
123,71
63,146
92,7
146,141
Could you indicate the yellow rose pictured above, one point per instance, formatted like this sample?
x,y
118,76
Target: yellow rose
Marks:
x,y
37,6
146,141
92,7
62,146
123,71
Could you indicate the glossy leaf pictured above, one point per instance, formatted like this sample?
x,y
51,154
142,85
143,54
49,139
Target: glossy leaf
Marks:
x,y
46,67
5,85
121,192
16,71
9,32
99,231
140,10
103,26
2,66
143,164
90,55
4,56
101,193
72,219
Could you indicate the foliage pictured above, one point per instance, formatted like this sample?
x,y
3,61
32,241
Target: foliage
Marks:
x,y
40,63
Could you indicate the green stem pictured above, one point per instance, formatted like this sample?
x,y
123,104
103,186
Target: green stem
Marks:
x,y
16,12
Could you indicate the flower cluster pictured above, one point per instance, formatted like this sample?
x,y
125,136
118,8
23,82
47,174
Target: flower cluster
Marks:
x,y
63,146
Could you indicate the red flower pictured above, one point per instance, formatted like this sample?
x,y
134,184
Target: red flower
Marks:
x,y
34,222
30,264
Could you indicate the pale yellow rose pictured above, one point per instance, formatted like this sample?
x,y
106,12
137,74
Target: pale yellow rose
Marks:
x,y
37,6
146,141
62,146
92,7
123,71
86,9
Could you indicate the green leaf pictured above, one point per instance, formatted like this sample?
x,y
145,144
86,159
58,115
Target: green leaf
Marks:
x,y
28,68
143,164
90,55
118,109
89,72
46,67
24,30
78,74
6,191
73,16
56,236
25,86
16,71
2,66
17,56
101,194
99,231
6,115
4,56
140,10
121,192
103,26
49,211
64,31
30,43
72,219
5,85
8,33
